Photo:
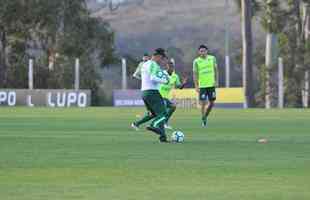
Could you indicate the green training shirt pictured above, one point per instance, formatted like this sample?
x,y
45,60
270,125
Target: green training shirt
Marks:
x,y
205,67
165,89
152,76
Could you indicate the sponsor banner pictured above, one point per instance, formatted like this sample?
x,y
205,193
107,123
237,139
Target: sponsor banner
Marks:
x,y
186,98
223,95
48,98
123,98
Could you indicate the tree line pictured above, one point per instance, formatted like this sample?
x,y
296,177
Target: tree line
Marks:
x,y
56,32
287,28
53,33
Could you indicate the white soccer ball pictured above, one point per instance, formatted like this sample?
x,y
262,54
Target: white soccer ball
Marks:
x,y
177,136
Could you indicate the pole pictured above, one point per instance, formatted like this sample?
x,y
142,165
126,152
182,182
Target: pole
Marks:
x,y
306,10
30,74
124,74
77,74
227,39
268,64
306,93
227,70
280,84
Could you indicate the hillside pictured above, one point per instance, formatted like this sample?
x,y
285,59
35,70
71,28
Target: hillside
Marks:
x,y
178,25
171,23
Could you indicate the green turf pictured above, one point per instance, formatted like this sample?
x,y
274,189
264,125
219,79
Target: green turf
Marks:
x,y
92,154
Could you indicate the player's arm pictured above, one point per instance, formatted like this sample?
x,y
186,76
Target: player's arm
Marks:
x,y
179,84
195,76
216,78
137,74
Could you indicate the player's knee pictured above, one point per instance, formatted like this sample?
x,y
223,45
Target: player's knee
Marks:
x,y
173,108
203,103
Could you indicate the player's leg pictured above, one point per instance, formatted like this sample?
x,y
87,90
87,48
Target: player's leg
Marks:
x,y
171,107
203,113
209,107
211,94
203,103
147,117
158,107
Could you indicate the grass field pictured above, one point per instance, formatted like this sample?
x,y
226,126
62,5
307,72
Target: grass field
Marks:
x,y
92,154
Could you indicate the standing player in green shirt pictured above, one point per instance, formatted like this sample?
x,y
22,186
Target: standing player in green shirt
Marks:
x,y
205,80
165,90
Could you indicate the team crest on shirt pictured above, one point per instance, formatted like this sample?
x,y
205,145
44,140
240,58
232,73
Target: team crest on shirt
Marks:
x,y
160,74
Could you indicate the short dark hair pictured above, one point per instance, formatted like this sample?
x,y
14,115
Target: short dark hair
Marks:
x,y
146,54
160,51
202,47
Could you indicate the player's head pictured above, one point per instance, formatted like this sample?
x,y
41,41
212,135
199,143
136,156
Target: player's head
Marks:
x,y
146,57
164,61
202,50
170,67
159,55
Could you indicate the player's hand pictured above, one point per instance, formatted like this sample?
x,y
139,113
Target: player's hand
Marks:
x,y
184,80
197,90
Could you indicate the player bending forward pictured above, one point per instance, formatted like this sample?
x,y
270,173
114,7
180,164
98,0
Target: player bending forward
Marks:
x,y
151,78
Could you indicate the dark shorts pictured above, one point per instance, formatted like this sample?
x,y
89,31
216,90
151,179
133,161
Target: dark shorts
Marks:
x,y
207,94
153,101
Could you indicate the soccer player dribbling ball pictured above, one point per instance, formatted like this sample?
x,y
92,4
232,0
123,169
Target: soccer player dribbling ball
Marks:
x,y
152,76
165,91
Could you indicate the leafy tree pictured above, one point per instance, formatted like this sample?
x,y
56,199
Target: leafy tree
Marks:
x,y
272,22
54,33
